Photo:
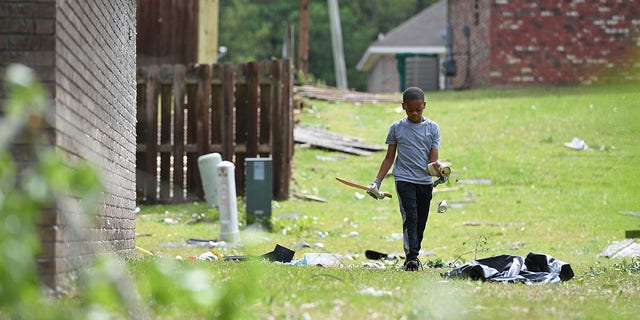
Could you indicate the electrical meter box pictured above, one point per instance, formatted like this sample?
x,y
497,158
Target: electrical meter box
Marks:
x,y
259,190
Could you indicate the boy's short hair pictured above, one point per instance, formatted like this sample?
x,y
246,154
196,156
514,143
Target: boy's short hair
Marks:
x,y
412,93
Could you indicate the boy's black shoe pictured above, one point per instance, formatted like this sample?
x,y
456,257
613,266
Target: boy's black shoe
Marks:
x,y
412,265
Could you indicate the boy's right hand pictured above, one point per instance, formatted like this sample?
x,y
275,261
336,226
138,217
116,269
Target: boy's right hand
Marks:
x,y
373,189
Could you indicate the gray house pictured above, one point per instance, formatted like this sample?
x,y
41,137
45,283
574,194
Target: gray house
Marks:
x,y
408,55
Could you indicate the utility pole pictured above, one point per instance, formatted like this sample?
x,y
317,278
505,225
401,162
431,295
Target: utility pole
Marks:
x,y
303,38
336,44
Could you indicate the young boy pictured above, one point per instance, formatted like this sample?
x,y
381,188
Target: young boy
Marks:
x,y
415,140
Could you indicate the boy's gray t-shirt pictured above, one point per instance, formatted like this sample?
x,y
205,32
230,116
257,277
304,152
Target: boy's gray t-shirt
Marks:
x,y
414,142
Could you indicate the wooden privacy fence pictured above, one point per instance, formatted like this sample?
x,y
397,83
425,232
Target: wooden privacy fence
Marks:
x,y
237,110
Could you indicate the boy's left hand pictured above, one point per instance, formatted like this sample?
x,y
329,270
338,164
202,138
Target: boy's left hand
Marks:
x,y
440,180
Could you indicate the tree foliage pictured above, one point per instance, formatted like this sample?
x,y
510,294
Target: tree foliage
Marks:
x,y
254,30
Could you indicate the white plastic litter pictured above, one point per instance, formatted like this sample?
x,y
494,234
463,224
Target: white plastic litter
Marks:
x,y
320,259
576,144
170,221
375,292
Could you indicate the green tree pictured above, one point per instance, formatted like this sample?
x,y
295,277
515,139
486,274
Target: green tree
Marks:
x,y
254,30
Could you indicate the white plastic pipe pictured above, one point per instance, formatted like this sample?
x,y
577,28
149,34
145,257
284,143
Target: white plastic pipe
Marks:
x,y
208,164
227,203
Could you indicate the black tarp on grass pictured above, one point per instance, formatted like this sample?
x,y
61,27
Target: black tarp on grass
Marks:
x,y
535,268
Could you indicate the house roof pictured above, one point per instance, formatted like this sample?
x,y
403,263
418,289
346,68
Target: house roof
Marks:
x,y
421,34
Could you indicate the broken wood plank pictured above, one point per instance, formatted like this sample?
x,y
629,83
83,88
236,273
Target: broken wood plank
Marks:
x,y
331,145
334,141
324,133
309,197
340,95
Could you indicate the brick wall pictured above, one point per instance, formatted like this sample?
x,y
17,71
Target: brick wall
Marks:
x,y
472,60
552,42
27,36
84,51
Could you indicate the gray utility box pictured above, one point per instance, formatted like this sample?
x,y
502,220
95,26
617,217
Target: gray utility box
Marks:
x,y
259,190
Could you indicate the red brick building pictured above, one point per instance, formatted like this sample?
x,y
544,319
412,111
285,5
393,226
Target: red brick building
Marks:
x,y
85,54
557,42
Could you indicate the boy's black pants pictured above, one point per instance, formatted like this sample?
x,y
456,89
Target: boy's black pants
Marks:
x,y
415,200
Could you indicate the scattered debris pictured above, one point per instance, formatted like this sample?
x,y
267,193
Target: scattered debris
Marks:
x,y
340,95
174,245
213,243
309,197
442,206
196,218
632,234
465,200
442,189
631,213
205,242
375,255
455,205
576,144
374,265
323,158
207,256
170,221
535,268
492,224
144,251
624,248
375,292
333,141
293,215
475,181
427,252
397,236
279,254
320,259
301,244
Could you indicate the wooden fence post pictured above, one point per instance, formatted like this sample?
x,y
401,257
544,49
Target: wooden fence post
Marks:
x,y
266,107
278,130
216,108
253,97
152,133
241,127
286,118
201,130
179,86
191,127
287,114
228,116
141,135
166,126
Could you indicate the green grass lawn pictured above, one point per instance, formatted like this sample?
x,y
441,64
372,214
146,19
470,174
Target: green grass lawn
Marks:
x,y
543,197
